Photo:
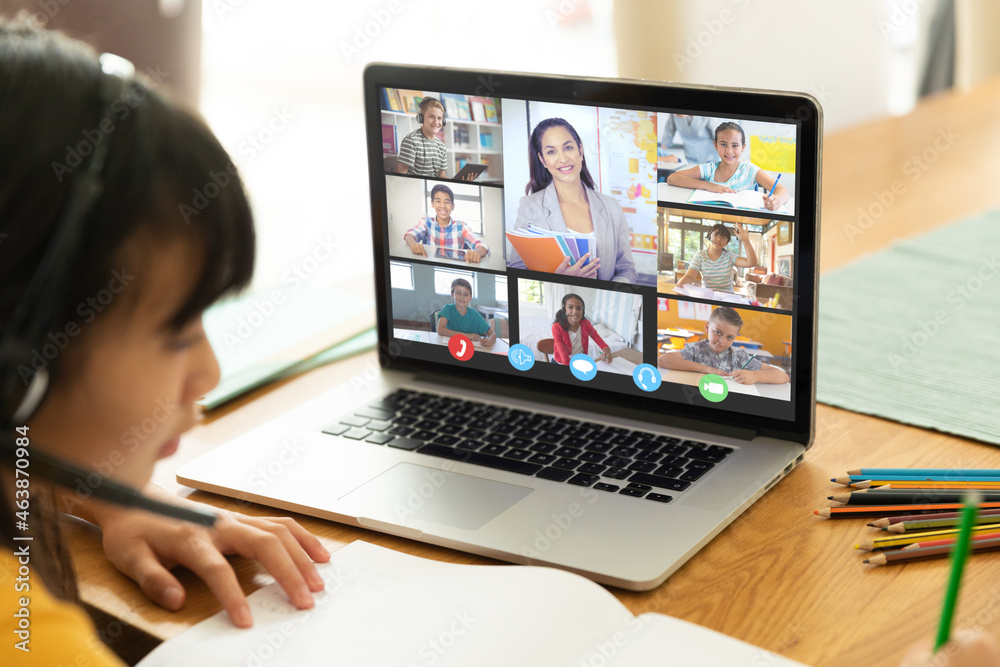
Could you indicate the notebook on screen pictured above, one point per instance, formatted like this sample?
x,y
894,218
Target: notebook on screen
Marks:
x,y
587,412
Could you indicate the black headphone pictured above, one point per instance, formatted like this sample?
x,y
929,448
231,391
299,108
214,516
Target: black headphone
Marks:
x,y
426,102
22,387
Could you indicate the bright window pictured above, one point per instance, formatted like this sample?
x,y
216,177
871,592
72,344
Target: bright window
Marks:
x,y
401,275
444,277
500,287
529,291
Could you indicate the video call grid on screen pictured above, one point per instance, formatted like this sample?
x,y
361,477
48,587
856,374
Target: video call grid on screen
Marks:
x,y
630,155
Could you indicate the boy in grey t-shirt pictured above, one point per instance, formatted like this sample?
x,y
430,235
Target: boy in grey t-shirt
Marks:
x,y
717,354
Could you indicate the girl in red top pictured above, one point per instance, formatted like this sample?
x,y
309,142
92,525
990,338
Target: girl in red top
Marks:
x,y
572,331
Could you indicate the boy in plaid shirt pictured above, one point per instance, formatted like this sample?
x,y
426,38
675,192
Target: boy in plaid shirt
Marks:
x,y
444,232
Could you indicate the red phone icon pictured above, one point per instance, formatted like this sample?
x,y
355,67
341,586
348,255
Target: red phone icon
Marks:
x,y
461,347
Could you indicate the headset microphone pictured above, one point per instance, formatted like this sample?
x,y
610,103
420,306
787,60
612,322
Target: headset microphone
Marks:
x,y
70,476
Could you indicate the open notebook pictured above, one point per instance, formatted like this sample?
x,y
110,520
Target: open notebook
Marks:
x,y
382,607
752,200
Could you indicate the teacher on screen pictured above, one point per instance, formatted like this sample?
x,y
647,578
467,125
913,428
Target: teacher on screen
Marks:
x,y
561,197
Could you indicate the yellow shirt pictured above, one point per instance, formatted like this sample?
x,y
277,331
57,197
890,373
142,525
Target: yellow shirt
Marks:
x,y
54,633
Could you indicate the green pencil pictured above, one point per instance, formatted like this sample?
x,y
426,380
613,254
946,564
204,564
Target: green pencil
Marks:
x,y
959,556
752,356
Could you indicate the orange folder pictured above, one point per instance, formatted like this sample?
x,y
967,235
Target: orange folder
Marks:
x,y
540,253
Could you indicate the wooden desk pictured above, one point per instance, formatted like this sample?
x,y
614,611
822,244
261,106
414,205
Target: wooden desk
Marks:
x,y
778,577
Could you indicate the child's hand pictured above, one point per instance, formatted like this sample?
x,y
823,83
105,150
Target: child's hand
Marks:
x,y
472,257
966,649
474,337
715,187
488,340
418,249
771,203
606,354
578,269
745,376
146,547
741,232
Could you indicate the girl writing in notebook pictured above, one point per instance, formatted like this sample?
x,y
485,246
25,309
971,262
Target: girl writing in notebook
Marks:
x,y
118,331
572,331
729,174
713,265
561,197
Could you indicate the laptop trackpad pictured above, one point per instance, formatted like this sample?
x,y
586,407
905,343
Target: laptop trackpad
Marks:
x,y
407,492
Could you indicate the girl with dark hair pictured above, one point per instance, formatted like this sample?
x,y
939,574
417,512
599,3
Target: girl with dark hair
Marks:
x,y
730,174
572,330
103,172
713,265
561,197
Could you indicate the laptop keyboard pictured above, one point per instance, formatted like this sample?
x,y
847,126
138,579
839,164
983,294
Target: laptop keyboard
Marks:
x,y
607,458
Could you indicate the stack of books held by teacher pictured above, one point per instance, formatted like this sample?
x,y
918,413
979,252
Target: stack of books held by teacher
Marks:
x,y
752,200
382,607
544,249
917,512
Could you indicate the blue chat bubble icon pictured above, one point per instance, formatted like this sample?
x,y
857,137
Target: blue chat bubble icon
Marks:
x,y
582,367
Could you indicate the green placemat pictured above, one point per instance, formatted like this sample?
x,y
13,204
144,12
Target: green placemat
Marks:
x,y
912,333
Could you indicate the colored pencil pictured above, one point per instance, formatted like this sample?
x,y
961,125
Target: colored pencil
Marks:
x,y
946,541
958,472
774,185
906,497
964,486
938,523
888,479
896,541
888,521
904,555
960,555
861,511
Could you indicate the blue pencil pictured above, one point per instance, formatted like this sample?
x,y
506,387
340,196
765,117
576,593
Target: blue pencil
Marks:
x,y
937,472
774,186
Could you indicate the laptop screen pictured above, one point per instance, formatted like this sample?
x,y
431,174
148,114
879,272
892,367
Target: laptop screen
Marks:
x,y
642,243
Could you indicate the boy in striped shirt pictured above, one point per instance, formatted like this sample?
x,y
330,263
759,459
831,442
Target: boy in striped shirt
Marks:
x,y
421,153
717,355
444,232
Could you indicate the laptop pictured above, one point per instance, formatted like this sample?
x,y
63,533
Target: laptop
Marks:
x,y
550,395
